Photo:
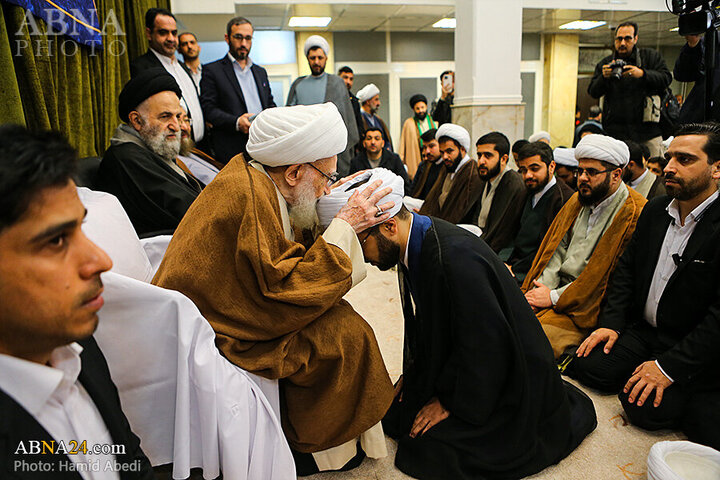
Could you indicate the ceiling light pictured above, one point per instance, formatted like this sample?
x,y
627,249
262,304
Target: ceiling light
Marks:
x,y
309,21
445,23
582,25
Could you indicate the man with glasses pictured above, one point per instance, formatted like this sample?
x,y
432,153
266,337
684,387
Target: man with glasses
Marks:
x,y
272,288
632,81
234,90
567,280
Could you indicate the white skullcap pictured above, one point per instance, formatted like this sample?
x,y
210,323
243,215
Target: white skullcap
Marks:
x,y
602,147
367,92
565,157
456,132
679,460
329,205
317,41
536,137
300,134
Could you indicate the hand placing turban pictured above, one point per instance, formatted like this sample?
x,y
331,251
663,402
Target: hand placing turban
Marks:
x,y
456,132
315,41
565,157
417,98
329,205
143,86
601,147
300,134
367,92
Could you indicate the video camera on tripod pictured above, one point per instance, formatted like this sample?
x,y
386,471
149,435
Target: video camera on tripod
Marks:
x,y
696,16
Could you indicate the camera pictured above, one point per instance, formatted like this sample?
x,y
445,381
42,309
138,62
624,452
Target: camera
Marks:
x,y
617,67
696,16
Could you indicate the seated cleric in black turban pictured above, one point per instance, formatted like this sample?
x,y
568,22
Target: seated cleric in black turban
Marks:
x,y
417,98
143,86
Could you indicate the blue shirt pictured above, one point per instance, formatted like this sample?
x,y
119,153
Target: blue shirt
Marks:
x,y
248,86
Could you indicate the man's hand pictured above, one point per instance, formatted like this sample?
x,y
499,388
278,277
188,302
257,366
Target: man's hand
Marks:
x,y
606,335
398,389
633,71
360,210
539,297
429,416
243,123
693,40
646,378
446,92
606,70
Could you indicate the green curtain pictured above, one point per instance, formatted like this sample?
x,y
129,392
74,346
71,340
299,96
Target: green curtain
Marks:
x,y
49,81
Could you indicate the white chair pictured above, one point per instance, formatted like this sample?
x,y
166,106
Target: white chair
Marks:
x,y
683,460
187,403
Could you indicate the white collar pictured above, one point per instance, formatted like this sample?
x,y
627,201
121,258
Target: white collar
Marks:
x,y
639,179
233,60
32,384
496,180
548,186
407,244
674,210
166,60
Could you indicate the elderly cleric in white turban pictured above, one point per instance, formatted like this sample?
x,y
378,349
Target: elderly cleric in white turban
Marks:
x,y
300,134
565,157
315,41
367,92
603,148
456,132
329,205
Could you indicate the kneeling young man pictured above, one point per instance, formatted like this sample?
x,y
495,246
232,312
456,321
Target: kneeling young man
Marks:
x,y
660,328
480,395
55,386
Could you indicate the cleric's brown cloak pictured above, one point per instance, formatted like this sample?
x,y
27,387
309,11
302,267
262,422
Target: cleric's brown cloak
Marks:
x,y
576,312
465,190
277,308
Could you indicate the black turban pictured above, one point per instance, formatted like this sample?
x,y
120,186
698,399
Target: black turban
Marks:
x,y
417,98
143,86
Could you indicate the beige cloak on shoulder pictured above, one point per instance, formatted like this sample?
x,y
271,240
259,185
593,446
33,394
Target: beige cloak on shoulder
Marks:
x,y
277,308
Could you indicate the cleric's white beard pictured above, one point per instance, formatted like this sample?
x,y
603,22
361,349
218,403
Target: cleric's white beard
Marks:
x,y
154,137
303,212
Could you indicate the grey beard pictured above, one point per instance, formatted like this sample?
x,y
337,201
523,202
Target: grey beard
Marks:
x,y
186,146
155,139
303,213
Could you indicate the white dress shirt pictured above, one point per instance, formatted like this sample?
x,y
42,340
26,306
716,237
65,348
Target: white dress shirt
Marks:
x,y
639,179
536,198
247,84
189,93
57,400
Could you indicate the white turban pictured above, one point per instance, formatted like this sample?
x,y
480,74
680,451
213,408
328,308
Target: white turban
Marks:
x,y
456,132
329,205
536,137
565,157
601,147
300,134
367,92
317,41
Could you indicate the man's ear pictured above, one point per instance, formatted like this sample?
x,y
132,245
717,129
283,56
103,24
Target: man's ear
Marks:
x,y
148,33
715,169
293,174
135,120
504,159
390,227
551,168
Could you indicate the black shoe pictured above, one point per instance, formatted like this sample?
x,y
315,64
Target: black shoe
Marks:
x,y
305,463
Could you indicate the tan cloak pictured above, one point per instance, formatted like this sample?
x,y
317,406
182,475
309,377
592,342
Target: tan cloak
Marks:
x,y
465,190
577,309
410,146
277,308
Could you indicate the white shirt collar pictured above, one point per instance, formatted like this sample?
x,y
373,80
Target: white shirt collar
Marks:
x,y
39,382
166,60
407,244
234,61
548,186
639,179
674,210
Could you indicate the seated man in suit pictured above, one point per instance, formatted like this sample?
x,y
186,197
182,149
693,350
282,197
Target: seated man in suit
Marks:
x,y
375,155
161,33
140,166
54,382
660,329
636,174
234,90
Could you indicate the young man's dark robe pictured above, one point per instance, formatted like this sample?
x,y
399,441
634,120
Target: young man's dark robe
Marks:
x,y
152,193
534,224
464,191
388,160
473,342
425,178
503,220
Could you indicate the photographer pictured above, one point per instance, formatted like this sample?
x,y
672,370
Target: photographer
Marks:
x,y
441,111
632,81
690,67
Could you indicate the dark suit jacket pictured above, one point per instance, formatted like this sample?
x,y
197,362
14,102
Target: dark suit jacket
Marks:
x,y
223,102
389,160
17,425
503,220
688,315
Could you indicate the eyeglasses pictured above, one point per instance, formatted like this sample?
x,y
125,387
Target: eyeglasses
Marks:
x,y
332,177
362,242
247,38
627,38
591,172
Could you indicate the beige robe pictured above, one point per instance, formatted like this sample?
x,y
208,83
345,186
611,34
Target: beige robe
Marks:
x,y
277,307
410,146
